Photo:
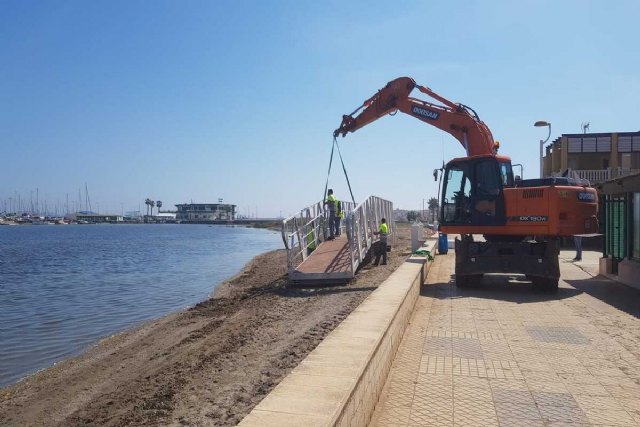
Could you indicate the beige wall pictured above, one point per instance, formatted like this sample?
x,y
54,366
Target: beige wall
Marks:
x,y
614,150
587,160
557,159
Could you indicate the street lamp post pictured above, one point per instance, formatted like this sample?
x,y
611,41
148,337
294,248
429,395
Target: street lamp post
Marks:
x,y
542,123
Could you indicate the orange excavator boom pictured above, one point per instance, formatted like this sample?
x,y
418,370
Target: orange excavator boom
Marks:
x,y
456,119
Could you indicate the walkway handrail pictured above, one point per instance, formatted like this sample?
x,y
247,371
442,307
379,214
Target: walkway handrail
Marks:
x,y
304,232
363,221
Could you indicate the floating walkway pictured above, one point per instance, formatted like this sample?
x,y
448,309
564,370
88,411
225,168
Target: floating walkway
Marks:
x,y
313,259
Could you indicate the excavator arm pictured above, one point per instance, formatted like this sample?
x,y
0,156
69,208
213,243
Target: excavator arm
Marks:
x,y
457,119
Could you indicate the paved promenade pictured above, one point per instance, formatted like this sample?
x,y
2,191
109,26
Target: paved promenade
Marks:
x,y
505,355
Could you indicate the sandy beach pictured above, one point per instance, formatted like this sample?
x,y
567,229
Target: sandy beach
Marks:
x,y
208,365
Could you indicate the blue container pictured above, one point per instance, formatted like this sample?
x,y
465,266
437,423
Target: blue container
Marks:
x,y
443,244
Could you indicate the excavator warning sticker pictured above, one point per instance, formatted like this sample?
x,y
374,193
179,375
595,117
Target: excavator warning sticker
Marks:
x,y
529,218
423,112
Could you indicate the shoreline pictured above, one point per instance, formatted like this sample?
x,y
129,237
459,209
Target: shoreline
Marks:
x,y
207,364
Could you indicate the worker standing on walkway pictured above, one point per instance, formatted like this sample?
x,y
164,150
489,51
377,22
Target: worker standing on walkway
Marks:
x,y
381,245
330,203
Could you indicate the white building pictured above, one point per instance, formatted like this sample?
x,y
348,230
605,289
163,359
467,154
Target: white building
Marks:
x,y
203,212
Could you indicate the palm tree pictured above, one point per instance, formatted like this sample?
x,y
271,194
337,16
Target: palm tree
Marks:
x,y
159,205
148,203
152,204
433,207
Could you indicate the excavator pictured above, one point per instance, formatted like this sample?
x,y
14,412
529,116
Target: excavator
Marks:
x,y
520,220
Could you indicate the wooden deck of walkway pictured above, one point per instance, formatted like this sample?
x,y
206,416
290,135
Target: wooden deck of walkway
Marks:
x,y
330,262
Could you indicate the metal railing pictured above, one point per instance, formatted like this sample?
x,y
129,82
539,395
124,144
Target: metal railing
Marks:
x,y
304,232
595,176
363,222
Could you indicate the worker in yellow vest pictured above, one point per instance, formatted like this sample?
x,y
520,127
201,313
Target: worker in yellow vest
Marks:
x,y
330,203
381,245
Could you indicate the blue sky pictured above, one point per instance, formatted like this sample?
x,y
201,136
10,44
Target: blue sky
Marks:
x,y
200,100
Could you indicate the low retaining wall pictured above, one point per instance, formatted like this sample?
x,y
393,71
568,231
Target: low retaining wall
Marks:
x,y
338,383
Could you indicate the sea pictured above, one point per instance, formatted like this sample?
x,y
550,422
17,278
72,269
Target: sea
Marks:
x,y
64,287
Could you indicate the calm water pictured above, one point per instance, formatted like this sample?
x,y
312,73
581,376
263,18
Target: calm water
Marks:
x,y
64,287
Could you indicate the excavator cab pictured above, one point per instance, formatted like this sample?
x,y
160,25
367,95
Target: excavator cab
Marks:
x,y
473,191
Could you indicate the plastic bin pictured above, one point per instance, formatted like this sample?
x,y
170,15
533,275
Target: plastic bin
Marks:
x,y
443,244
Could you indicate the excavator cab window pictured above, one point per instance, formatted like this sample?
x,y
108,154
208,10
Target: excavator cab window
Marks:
x,y
488,201
456,195
506,172
473,192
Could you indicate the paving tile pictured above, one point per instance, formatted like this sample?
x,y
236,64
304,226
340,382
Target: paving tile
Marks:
x,y
606,372
610,418
508,384
392,412
543,376
472,382
467,348
554,399
432,412
587,389
534,365
438,346
520,397
433,389
565,414
474,412
508,411
520,422
552,387
569,377
627,382
471,393
632,404
598,403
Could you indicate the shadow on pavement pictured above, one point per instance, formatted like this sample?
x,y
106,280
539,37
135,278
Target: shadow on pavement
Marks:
x,y
610,292
502,287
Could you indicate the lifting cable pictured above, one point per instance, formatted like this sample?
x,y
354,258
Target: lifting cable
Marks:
x,y
335,144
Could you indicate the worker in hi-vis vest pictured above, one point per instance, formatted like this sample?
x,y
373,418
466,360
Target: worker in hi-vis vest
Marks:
x,y
330,203
381,245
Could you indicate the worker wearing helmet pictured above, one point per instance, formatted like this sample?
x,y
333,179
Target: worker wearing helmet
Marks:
x,y
330,203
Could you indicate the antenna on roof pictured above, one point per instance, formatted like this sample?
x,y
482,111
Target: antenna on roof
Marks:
x,y
585,126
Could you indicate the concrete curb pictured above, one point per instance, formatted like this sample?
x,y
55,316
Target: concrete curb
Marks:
x,y
338,383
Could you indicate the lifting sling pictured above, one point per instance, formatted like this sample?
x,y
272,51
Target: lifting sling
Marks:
x,y
335,144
